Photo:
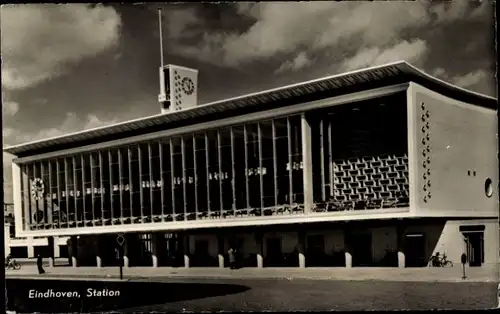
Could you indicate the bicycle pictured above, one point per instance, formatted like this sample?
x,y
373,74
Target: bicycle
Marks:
x,y
13,264
440,261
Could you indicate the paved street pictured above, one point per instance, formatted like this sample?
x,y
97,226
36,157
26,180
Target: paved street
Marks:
x,y
190,294
488,273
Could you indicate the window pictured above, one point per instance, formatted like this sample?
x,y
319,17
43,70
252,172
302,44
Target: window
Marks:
x,y
253,164
226,174
282,161
240,167
213,171
201,172
268,161
166,177
189,175
135,180
177,173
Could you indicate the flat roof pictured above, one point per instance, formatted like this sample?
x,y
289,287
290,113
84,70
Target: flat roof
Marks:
x,y
335,85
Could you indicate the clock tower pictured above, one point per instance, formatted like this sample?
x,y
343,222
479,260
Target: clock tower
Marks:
x,y
178,88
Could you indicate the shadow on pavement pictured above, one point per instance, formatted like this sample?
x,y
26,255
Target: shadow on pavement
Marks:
x,y
63,296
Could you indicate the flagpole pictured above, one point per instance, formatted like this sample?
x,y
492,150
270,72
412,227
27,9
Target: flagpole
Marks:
x,y
161,36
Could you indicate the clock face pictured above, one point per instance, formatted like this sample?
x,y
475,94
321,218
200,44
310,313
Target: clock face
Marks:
x,y
187,85
37,189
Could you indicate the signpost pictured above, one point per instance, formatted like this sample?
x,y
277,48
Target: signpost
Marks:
x,y
120,239
463,259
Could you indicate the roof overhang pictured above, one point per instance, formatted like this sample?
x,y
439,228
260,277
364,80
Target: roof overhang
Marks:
x,y
345,83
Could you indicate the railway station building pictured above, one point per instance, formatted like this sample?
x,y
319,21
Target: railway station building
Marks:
x,y
382,166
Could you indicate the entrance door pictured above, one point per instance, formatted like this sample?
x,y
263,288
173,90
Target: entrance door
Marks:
x,y
361,245
475,248
274,255
414,248
316,250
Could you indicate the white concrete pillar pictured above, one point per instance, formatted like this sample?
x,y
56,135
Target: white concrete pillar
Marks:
x,y
302,260
307,163
31,247
57,248
401,259
400,233
221,260
348,259
74,262
154,249
260,260
51,241
6,239
98,261
125,253
187,249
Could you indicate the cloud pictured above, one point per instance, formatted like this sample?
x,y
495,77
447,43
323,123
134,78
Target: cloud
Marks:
x,y
470,79
9,108
299,62
70,124
284,28
405,50
467,80
40,41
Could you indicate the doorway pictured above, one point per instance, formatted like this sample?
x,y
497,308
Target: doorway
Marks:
x,y
274,255
474,243
361,249
315,254
414,248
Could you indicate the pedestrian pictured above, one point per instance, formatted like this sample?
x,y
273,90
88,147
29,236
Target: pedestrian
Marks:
x,y
39,262
232,258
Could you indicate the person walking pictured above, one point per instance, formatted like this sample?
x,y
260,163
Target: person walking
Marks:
x,y
232,258
39,262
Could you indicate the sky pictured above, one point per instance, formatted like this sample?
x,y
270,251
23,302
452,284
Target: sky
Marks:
x,y
71,67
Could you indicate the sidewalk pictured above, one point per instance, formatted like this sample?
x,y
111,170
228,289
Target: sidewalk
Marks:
x,y
453,274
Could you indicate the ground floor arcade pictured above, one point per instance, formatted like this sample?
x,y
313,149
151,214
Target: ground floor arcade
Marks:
x,y
382,243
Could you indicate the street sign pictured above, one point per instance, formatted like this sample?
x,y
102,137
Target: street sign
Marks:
x,y
120,239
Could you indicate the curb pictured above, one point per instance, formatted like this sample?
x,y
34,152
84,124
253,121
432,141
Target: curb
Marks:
x,y
231,277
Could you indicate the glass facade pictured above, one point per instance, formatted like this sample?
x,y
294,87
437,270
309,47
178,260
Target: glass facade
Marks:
x,y
359,161
250,169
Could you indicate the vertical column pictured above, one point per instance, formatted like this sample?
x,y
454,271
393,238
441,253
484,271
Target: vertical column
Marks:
x,y
247,189
220,247
186,249
74,251
322,159
51,244
154,249
57,248
400,246
50,202
31,248
141,183
233,172
6,238
307,162
125,251
259,240
347,248
301,248
19,182
98,250
330,160
275,166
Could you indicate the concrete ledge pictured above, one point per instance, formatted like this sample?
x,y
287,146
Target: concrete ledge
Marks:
x,y
343,274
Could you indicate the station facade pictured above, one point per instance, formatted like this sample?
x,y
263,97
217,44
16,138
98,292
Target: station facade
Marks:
x,y
380,167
